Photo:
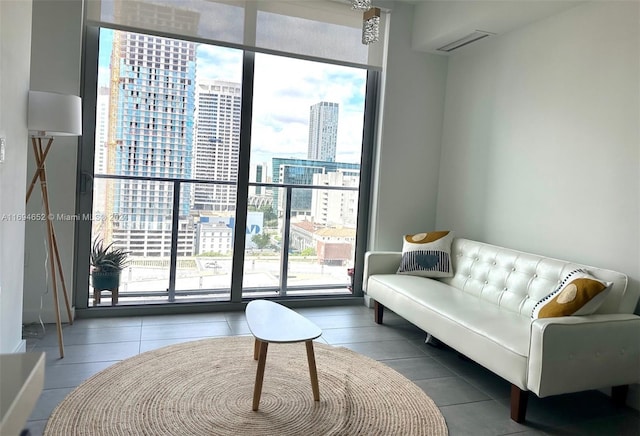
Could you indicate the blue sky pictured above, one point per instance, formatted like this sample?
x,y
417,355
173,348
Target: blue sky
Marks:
x,y
284,90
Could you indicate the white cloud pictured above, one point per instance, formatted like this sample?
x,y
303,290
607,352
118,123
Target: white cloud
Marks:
x,y
285,89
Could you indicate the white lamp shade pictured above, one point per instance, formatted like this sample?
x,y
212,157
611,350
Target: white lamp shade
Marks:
x,y
52,114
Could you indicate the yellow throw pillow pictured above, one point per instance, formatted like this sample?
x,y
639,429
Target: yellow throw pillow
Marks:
x,y
578,294
427,254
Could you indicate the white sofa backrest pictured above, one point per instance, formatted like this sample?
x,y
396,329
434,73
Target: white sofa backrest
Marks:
x,y
517,281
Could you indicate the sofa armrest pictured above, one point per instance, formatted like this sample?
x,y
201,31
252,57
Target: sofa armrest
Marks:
x,y
576,353
380,262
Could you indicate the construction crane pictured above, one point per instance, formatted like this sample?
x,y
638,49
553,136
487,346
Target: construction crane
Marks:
x,y
112,140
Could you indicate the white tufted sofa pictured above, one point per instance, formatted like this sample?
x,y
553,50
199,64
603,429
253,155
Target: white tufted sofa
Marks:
x,y
484,312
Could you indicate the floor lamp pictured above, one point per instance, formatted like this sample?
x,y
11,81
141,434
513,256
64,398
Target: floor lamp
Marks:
x,y
52,115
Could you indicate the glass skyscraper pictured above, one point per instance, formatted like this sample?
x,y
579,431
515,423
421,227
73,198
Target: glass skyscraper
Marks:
x,y
323,131
301,172
151,134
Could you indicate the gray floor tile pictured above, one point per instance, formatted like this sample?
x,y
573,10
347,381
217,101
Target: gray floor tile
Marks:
x,y
82,336
480,418
36,428
528,433
127,321
192,318
332,310
476,375
627,424
418,368
384,350
71,375
91,353
360,334
185,330
341,321
235,316
445,391
568,409
238,327
159,343
473,400
48,401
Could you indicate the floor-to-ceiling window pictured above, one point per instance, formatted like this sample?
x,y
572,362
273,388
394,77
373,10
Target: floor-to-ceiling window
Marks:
x,y
226,173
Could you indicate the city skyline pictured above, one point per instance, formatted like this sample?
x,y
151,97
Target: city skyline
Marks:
x,y
284,89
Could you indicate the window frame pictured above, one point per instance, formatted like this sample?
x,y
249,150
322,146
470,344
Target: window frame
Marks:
x,y
85,171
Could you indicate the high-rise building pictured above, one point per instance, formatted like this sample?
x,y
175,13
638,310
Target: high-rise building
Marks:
x,y
335,207
102,130
301,172
323,131
217,146
100,155
151,115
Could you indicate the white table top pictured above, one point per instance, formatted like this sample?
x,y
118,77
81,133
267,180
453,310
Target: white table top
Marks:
x,y
272,322
21,382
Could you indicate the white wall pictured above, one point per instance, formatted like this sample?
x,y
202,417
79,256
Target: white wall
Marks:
x,y
15,39
55,67
406,169
541,139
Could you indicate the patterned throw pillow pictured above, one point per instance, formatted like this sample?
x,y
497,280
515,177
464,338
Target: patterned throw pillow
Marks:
x,y
427,254
578,294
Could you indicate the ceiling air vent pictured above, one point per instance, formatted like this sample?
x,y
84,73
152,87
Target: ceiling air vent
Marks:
x,y
465,40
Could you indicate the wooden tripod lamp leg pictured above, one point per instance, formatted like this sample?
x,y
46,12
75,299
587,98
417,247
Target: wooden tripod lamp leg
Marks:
x,y
50,236
39,162
64,286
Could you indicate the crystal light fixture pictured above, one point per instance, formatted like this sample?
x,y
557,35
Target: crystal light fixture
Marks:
x,y
371,26
363,5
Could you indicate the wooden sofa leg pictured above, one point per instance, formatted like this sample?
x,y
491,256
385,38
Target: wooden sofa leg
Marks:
x,y
519,400
619,395
378,311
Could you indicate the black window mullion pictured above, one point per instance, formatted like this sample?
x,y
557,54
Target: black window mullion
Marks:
x,y
242,193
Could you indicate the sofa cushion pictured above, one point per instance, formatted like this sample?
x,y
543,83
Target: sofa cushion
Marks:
x,y
427,254
506,329
579,293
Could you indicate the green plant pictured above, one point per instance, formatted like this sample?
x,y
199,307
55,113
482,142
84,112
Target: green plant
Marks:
x,y
107,259
261,240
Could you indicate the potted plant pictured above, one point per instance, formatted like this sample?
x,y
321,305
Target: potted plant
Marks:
x,y
106,264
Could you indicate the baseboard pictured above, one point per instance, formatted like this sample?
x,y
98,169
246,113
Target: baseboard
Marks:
x,y
47,315
22,346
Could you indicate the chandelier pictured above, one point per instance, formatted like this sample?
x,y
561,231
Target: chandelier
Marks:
x,y
370,20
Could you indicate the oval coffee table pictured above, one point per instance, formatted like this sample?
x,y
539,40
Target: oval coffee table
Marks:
x,y
271,322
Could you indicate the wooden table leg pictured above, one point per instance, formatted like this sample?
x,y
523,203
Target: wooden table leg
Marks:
x,y
256,349
262,359
313,372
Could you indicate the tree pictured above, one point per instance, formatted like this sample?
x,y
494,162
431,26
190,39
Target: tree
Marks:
x,y
309,251
261,240
270,217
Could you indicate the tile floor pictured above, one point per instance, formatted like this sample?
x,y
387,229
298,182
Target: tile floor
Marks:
x,y
472,399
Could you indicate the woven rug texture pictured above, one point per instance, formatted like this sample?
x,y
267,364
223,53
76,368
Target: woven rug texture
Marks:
x,y
205,387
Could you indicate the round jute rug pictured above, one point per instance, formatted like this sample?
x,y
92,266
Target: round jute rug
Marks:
x,y
205,387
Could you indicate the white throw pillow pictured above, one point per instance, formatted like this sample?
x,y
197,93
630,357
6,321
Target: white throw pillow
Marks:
x,y
578,294
427,254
